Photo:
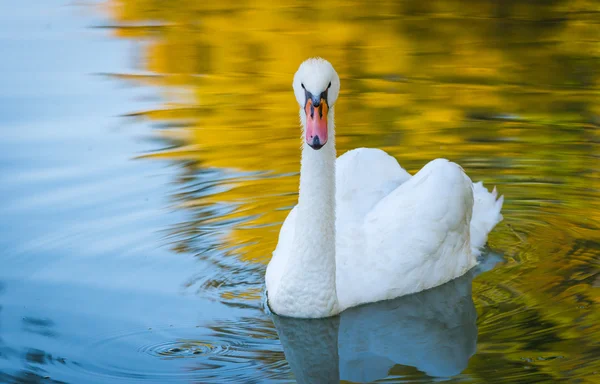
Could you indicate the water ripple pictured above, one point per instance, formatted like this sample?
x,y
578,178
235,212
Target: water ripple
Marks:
x,y
224,352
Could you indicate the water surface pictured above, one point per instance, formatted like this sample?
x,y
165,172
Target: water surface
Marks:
x,y
149,152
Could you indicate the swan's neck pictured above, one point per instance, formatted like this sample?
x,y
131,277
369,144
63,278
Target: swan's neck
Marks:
x,y
309,276
315,225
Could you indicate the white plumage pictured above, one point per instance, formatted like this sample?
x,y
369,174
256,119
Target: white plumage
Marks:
x,y
365,230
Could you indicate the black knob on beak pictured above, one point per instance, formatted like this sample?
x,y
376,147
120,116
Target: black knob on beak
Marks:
x,y
316,100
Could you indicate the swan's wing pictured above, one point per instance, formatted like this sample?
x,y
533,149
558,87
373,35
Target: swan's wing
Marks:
x,y
417,237
427,218
281,252
363,177
486,214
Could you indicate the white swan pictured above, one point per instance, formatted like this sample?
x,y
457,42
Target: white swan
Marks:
x,y
364,229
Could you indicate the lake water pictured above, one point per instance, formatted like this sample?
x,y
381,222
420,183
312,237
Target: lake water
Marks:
x,y
149,153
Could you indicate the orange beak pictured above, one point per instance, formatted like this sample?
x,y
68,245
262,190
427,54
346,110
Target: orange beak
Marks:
x,y
316,123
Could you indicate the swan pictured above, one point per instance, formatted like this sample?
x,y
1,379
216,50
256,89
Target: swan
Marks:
x,y
364,229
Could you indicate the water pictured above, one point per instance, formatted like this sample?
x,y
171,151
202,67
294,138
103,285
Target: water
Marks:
x,y
149,153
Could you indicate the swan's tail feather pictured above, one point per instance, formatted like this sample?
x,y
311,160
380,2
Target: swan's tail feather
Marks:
x,y
486,214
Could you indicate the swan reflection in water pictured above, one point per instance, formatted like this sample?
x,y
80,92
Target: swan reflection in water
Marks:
x,y
434,331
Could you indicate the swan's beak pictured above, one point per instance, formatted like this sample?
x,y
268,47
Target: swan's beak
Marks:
x,y
316,122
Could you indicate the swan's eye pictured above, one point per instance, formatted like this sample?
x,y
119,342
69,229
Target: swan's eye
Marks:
x,y
302,84
329,86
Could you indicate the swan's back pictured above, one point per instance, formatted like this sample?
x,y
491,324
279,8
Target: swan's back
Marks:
x,y
416,237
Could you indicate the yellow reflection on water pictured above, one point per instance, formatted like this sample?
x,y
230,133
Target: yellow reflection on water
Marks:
x,y
507,89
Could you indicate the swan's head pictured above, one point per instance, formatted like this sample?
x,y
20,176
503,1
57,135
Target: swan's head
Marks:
x,y
316,86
